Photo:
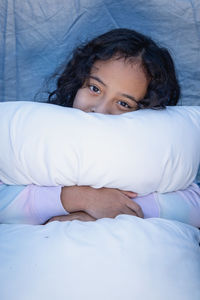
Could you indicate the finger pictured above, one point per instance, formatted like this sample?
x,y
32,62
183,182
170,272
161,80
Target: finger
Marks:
x,y
59,218
80,216
129,194
127,211
73,216
136,208
86,217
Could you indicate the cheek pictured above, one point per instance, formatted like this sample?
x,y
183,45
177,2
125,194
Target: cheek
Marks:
x,y
80,99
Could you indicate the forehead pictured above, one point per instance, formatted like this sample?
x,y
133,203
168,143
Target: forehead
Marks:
x,y
126,75
115,62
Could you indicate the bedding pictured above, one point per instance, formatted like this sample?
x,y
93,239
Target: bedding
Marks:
x,y
143,151
111,259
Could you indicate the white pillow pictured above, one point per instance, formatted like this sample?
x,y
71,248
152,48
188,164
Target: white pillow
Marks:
x,y
124,258
142,151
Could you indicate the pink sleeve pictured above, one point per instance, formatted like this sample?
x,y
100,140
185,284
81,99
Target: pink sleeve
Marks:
x,y
45,202
34,205
149,205
183,205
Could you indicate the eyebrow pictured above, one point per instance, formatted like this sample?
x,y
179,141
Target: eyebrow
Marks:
x,y
124,95
130,97
98,79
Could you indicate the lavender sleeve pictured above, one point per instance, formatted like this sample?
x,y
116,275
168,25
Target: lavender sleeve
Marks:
x,y
183,205
29,204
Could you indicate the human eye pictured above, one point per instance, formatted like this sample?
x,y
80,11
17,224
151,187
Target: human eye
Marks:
x,y
124,104
94,89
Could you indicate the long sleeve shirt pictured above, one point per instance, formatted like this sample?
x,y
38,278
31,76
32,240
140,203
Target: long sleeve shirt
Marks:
x,y
34,204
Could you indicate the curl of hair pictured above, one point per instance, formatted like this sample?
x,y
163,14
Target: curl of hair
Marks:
x,y
163,88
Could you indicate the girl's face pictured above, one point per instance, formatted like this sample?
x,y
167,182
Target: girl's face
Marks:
x,y
114,87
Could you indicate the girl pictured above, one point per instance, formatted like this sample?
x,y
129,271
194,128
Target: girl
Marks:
x,y
117,72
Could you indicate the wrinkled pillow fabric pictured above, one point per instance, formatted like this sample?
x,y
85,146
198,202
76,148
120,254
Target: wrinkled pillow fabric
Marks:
x,y
124,258
142,151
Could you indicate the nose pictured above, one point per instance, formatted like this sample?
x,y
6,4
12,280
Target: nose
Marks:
x,y
101,107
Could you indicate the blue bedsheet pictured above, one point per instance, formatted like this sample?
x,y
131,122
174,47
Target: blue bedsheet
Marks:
x,y
36,36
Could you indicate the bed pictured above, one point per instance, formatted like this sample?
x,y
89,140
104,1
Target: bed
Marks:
x,y
121,258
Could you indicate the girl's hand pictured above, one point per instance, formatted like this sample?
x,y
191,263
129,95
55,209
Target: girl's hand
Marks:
x,y
79,215
100,203
108,203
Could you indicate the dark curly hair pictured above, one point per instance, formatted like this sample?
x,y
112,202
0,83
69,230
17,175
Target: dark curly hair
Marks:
x,y
163,87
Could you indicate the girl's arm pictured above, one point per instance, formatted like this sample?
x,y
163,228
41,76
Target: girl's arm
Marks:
x,y
29,204
100,203
35,204
182,205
